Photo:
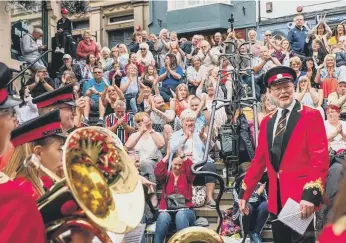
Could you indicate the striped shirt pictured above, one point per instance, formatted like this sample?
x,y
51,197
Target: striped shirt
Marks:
x,y
111,120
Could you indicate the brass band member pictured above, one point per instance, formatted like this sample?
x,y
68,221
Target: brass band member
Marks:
x,y
16,207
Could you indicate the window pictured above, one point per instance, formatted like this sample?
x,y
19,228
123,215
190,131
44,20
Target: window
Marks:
x,y
125,18
178,4
79,25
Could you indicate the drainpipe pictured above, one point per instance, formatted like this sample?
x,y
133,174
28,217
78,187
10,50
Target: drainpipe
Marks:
x,y
259,13
44,12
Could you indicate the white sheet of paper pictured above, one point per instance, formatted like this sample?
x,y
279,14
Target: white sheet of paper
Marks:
x,y
290,216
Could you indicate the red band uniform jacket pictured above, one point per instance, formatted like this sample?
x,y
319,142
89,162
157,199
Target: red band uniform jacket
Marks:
x,y
304,161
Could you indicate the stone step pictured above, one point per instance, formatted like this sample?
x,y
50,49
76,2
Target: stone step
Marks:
x,y
209,213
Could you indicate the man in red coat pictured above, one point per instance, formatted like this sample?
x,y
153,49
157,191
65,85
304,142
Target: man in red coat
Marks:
x,y
20,219
293,146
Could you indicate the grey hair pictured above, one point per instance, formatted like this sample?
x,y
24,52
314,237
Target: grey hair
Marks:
x,y
144,45
120,103
187,114
38,30
105,49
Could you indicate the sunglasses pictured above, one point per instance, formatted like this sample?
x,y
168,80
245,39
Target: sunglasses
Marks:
x,y
97,72
268,35
9,111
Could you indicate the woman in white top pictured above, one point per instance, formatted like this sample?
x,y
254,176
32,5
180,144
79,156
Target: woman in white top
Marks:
x,y
124,55
335,128
220,114
307,95
26,110
147,143
144,56
195,74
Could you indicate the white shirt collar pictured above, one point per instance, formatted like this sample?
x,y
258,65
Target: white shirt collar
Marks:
x,y
290,108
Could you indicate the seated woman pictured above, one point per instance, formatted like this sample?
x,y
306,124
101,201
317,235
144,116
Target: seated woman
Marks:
x,y
192,138
307,95
39,137
86,47
336,135
148,143
254,221
195,74
170,75
108,98
335,128
178,181
129,86
267,106
180,102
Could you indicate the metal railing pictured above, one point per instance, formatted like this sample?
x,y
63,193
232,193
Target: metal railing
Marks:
x,y
29,66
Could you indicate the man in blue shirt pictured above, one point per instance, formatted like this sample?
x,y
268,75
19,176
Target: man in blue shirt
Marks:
x,y
297,35
92,90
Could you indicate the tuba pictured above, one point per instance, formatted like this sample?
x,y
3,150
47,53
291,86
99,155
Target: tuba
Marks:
x,y
100,190
196,234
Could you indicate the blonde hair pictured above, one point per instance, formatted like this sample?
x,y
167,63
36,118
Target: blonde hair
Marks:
x,y
140,116
304,77
296,60
31,174
333,56
263,103
125,48
178,88
86,32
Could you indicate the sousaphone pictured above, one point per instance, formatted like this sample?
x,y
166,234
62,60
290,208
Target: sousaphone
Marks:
x,y
100,191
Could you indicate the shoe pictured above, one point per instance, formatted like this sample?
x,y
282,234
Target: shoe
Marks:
x,y
211,204
85,122
100,123
62,50
255,238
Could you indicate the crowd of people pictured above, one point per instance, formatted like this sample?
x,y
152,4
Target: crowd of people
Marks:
x,y
156,95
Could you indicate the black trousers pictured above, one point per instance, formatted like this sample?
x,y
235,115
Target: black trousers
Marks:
x,y
60,38
284,234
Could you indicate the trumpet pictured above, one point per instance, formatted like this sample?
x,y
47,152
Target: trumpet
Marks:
x,y
100,191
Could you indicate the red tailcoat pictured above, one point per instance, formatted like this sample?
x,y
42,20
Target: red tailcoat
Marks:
x,y
20,219
304,163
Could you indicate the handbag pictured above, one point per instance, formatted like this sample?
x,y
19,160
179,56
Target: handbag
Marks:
x,y
199,194
174,201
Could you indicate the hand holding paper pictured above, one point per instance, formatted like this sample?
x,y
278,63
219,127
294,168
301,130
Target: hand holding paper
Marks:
x,y
291,216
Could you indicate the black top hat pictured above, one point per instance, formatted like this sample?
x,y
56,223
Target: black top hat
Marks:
x,y
40,127
63,95
6,101
279,74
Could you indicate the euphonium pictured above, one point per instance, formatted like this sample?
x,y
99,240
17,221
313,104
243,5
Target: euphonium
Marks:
x,y
100,190
196,234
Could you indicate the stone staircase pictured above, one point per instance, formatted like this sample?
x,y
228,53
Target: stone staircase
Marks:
x,y
225,203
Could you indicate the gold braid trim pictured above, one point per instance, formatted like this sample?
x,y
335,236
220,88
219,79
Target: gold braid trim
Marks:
x,y
315,185
243,186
